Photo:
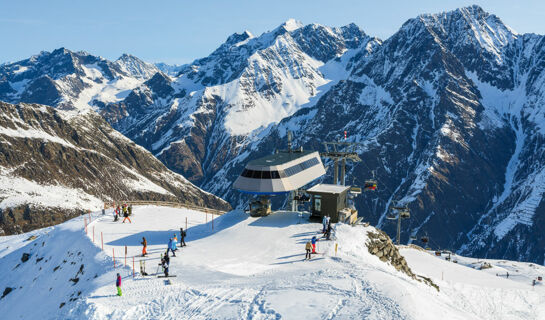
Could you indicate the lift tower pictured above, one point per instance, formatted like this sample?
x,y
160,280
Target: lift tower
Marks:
x,y
340,151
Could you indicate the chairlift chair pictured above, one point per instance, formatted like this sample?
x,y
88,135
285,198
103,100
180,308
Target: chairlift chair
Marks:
x,y
391,216
425,239
413,238
370,185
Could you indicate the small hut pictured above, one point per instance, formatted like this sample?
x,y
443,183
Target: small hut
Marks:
x,y
330,200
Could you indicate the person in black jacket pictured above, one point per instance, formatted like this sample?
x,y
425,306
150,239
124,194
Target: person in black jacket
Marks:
x,y
182,237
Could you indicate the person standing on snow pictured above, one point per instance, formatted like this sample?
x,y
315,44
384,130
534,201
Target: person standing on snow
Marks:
x,y
116,213
324,223
144,244
313,242
308,247
174,245
182,237
126,215
328,220
328,231
169,247
118,284
165,263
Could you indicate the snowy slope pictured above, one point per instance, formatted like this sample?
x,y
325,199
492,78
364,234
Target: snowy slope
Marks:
x,y
247,268
54,166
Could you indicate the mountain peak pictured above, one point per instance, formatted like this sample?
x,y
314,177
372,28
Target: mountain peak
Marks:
x,y
292,25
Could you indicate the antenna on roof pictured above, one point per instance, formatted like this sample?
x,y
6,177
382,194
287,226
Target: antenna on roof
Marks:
x,y
289,140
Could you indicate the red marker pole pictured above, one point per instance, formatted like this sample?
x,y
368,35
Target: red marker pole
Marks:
x,y
102,241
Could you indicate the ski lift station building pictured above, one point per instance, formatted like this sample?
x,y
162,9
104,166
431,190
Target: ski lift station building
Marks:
x,y
331,200
281,172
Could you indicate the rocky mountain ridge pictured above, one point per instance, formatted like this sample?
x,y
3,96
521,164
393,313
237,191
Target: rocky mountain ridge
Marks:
x,y
54,166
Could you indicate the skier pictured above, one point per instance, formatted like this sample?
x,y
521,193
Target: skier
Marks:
x,y
118,284
116,213
125,209
324,224
328,231
144,244
313,241
328,219
174,245
126,215
308,246
169,247
165,262
182,237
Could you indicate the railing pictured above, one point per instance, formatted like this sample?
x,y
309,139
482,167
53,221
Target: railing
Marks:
x,y
167,204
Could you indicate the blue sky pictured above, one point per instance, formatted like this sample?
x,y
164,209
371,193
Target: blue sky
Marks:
x,y
180,31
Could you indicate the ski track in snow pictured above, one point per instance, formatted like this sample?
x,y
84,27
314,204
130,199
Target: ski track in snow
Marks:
x,y
253,268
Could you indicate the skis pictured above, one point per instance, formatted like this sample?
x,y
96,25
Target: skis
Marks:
x,y
169,276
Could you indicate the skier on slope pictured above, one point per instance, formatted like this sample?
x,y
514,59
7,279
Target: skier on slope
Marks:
x,y
165,263
182,237
328,231
126,215
169,247
144,246
116,213
313,242
324,223
328,221
118,284
174,244
308,247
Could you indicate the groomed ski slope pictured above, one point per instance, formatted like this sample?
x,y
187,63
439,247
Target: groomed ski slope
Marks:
x,y
247,268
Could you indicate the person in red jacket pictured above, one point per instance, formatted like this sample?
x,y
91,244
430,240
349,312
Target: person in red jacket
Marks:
x,y
118,284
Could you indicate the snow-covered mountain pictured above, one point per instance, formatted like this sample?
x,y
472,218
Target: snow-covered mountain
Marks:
x,y
55,165
72,80
447,111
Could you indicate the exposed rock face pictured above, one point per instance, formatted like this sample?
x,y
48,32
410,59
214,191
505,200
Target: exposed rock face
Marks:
x,y
381,245
54,166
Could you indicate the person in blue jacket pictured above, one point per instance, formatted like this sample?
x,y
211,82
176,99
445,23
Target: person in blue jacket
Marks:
x,y
313,241
174,245
169,247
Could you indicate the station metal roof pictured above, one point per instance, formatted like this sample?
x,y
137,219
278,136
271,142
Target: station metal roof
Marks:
x,y
280,158
328,188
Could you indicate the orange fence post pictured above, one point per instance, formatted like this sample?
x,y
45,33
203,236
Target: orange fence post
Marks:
x,y
113,253
85,223
102,241
186,223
